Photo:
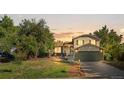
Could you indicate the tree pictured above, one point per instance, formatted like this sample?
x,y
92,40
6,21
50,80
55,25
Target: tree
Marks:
x,y
7,33
6,22
110,41
25,47
28,39
103,35
40,32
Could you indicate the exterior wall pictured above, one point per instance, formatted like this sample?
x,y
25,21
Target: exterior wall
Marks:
x,y
98,43
57,50
89,48
87,40
66,50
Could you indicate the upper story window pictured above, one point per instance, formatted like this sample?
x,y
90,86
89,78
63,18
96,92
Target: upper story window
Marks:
x,y
76,42
82,42
89,41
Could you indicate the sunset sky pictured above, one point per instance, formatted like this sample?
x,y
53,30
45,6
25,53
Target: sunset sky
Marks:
x,y
66,26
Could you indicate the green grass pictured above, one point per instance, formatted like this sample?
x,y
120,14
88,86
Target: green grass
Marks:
x,y
35,70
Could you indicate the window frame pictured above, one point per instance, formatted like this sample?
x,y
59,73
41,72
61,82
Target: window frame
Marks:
x,y
82,42
77,42
89,41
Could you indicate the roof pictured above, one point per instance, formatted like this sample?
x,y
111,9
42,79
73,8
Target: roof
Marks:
x,y
88,45
67,42
58,44
88,35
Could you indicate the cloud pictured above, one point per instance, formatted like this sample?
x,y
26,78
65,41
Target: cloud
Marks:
x,y
70,28
66,36
53,29
122,30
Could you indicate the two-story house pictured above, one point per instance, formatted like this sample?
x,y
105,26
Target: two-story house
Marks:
x,y
87,48
84,48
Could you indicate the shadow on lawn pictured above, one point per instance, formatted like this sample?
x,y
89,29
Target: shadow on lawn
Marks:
x,y
5,70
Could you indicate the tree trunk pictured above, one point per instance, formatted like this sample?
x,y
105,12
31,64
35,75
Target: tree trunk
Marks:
x,y
37,53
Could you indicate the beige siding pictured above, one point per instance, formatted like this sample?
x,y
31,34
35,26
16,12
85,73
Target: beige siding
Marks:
x,y
86,41
89,48
57,50
66,50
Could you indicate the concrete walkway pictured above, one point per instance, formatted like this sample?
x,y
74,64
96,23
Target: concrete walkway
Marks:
x,y
101,70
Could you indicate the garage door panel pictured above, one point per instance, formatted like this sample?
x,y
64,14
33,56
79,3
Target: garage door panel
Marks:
x,y
89,55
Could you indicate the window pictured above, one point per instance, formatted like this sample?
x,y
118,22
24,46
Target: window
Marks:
x,y
76,42
82,42
89,41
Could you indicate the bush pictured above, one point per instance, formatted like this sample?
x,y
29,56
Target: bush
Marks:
x,y
108,57
121,57
17,61
42,53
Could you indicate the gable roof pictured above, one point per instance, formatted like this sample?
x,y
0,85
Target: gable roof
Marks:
x,y
88,35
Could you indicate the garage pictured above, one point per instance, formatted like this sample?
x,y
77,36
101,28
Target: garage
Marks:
x,y
89,56
89,52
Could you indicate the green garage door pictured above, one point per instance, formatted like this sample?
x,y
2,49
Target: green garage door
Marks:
x,y
89,56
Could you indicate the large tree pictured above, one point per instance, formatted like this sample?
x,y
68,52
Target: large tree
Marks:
x,y
7,33
110,41
29,38
40,32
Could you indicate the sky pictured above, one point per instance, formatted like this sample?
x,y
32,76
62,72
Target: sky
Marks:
x,y
66,26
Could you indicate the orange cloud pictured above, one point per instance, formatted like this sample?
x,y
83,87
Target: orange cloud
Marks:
x,y
66,36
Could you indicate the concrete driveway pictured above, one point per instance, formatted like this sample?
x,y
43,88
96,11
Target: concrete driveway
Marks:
x,y
101,70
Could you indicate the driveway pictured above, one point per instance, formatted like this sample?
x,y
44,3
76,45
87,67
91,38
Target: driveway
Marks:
x,y
101,70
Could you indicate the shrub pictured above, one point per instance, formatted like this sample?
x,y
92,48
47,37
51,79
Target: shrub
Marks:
x,y
17,61
121,57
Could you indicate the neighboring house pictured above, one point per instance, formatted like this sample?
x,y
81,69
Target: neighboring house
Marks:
x,y
84,48
63,48
67,48
58,48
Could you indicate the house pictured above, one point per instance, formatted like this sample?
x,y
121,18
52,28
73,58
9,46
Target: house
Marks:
x,y
84,48
87,48
63,48
58,48
67,48
86,39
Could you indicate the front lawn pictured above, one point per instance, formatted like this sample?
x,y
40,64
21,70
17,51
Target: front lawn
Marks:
x,y
36,69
